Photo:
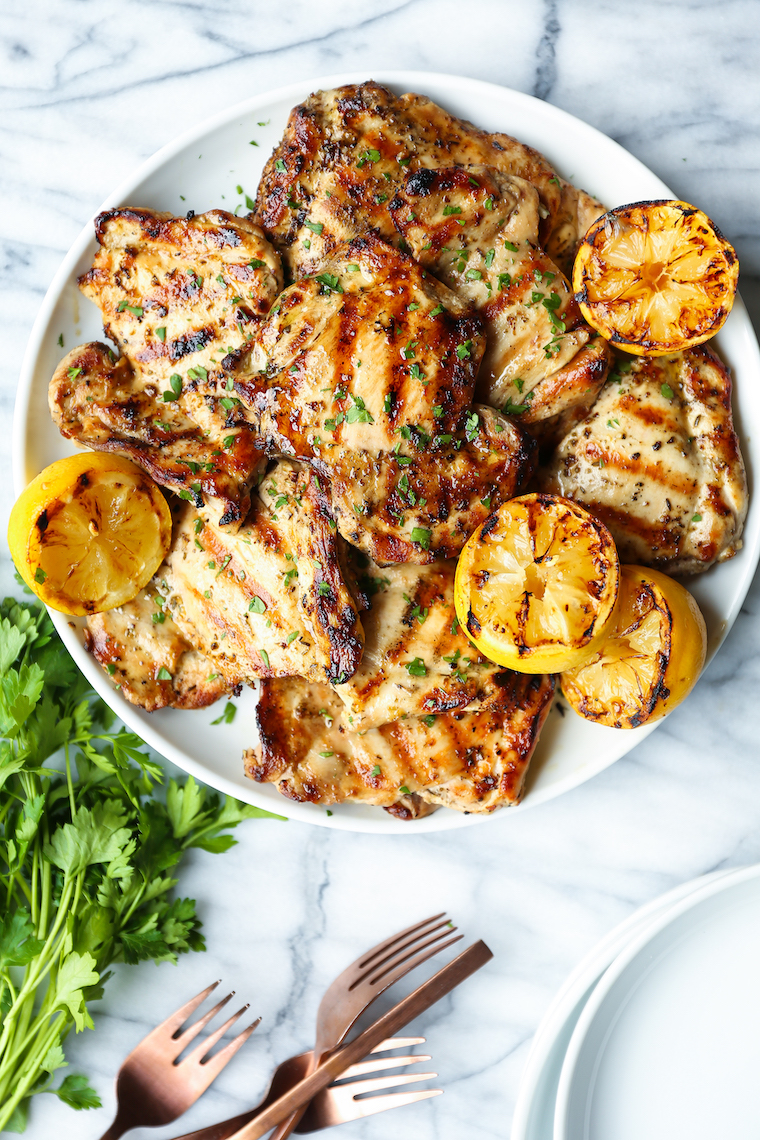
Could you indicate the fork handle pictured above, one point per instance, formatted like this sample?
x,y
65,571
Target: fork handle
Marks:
x,y
222,1130
116,1130
282,1131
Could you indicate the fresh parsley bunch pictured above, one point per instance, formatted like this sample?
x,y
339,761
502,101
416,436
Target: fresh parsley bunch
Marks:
x,y
86,858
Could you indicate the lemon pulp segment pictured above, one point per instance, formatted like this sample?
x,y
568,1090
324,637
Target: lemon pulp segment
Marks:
x,y
89,533
650,659
655,277
537,584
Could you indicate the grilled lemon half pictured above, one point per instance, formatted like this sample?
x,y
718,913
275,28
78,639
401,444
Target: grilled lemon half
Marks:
x,y
655,277
89,532
536,584
649,661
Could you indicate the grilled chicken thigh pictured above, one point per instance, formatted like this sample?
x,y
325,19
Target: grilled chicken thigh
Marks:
x,y
100,402
137,641
367,372
469,761
577,212
371,355
416,659
270,600
658,461
177,295
345,152
174,292
477,230
421,509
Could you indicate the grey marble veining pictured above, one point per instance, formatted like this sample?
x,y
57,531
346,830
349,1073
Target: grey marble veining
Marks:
x,y
89,88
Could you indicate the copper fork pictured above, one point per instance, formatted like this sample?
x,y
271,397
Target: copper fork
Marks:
x,y
151,1088
348,997
338,1104
370,975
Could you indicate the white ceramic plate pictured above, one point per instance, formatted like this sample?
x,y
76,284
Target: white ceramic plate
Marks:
x,y
668,1044
199,171
536,1101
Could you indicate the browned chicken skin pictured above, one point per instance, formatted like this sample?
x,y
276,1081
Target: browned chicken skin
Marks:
x,y
469,761
416,658
477,230
135,642
177,295
657,460
345,152
367,371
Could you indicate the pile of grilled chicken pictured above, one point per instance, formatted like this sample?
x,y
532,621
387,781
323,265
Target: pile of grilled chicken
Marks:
x,y
337,390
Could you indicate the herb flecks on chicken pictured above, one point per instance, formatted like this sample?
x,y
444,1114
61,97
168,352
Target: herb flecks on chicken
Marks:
x,y
367,372
478,231
147,657
177,295
270,600
344,153
468,761
417,660
657,460
101,403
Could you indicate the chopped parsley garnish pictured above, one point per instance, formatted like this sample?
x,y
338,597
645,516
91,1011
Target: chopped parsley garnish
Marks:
x,y
422,536
135,310
403,789
257,606
39,575
330,283
175,382
375,771
416,668
369,156
489,258
264,657
324,589
696,518
471,426
292,636
464,351
227,716
161,334
667,391
315,227
359,414
511,246
474,275
437,310
163,674
280,166
448,210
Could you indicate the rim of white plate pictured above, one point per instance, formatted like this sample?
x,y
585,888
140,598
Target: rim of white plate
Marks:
x,y
618,967
443,819
581,982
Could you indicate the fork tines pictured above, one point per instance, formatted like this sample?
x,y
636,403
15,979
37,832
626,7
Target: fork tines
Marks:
x,y
407,950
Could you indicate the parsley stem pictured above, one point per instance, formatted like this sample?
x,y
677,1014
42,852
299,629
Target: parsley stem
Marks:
x,y
69,782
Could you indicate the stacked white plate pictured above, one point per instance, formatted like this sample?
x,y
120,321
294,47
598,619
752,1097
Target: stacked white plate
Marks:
x,y
656,1034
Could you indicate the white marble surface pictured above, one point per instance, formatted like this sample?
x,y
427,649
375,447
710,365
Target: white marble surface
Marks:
x,y
91,87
